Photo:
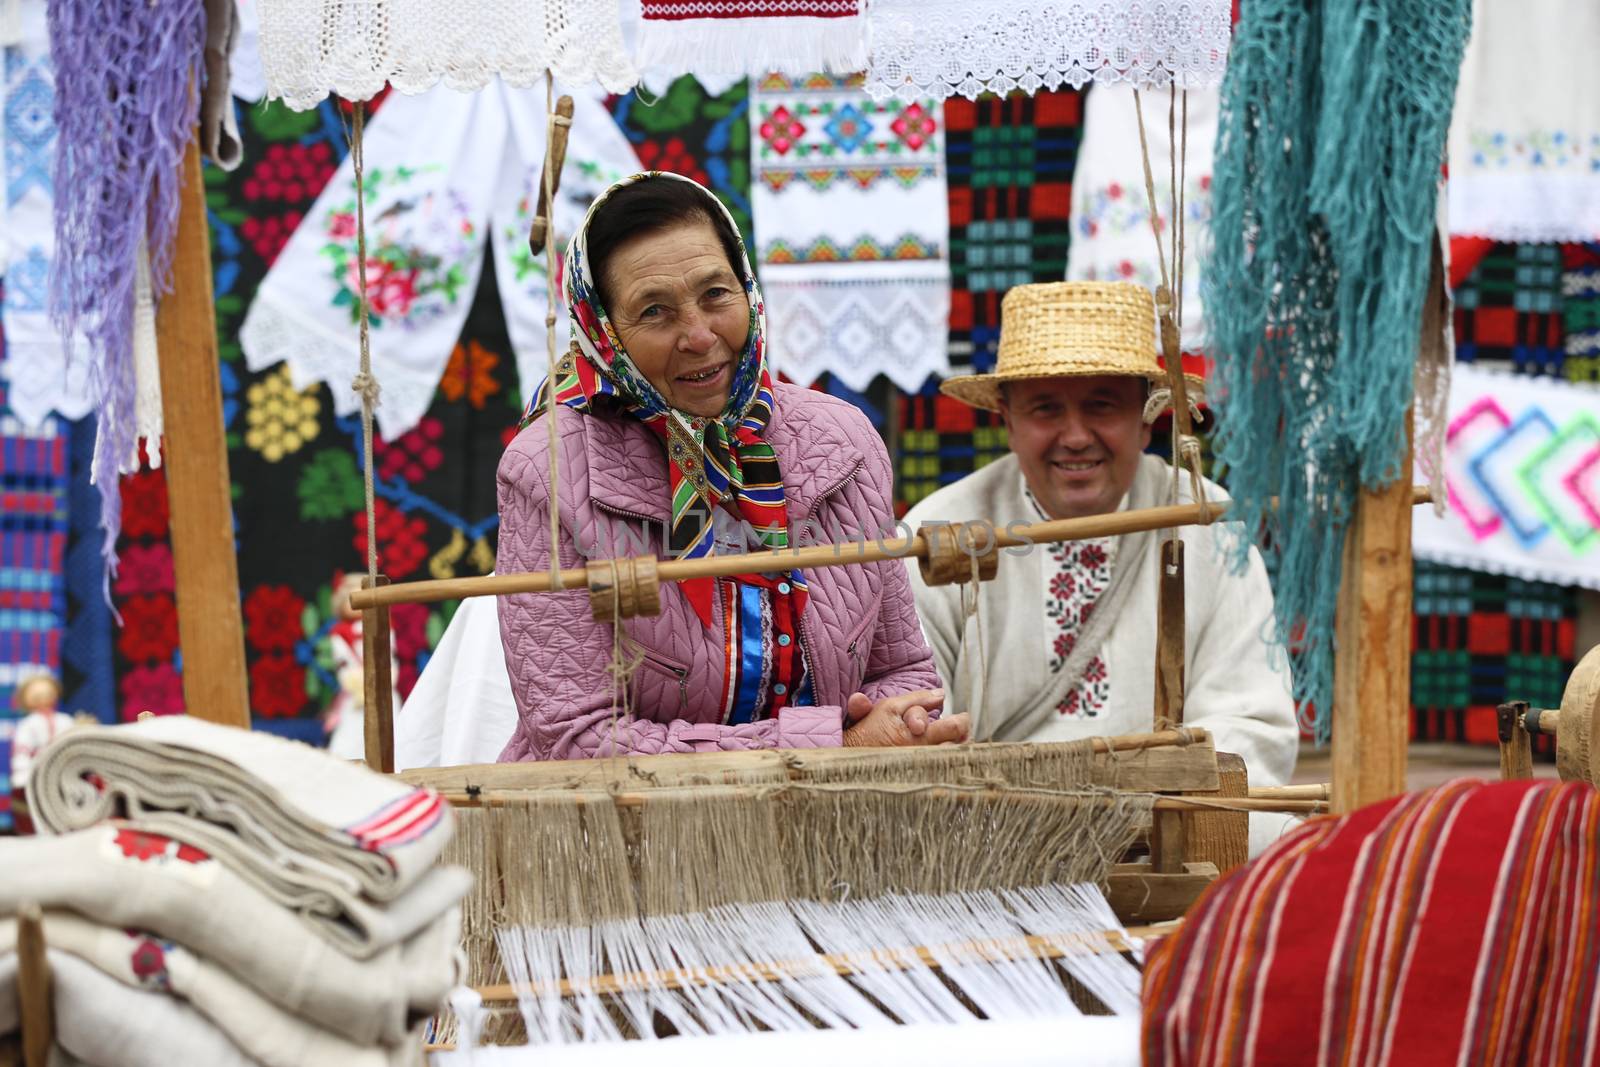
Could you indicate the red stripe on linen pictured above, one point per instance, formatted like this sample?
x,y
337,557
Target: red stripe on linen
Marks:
x,y
680,10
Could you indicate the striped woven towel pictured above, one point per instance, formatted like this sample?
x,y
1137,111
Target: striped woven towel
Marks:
x,y
1452,926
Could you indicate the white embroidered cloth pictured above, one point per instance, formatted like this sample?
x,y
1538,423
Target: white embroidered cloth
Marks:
x,y
851,231
1522,470
1525,134
942,48
432,204
151,973
310,49
171,887
716,38
39,376
1111,239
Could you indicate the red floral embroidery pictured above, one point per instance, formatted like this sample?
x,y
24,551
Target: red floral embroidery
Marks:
x,y
144,569
144,504
1062,586
400,539
190,854
149,963
914,126
277,686
415,453
672,156
155,688
272,614
138,845
149,628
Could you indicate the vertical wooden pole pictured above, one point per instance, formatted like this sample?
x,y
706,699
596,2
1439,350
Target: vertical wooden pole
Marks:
x,y
378,709
210,626
34,999
1372,674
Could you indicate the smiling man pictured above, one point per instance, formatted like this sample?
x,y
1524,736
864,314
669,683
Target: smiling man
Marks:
x,y
1068,631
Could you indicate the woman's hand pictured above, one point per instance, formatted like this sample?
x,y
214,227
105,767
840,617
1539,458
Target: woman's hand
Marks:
x,y
901,720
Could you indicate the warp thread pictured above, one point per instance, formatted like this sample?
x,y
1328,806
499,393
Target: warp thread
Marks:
x,y
123,120
1330,141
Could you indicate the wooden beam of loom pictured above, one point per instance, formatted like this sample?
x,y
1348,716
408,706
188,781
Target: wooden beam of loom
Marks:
x,y
1141,762
210,623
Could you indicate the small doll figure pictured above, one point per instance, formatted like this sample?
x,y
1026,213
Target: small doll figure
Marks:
x,y
344,721
37,698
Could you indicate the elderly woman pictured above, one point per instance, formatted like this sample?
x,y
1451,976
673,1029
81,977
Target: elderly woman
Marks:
x,y
673,436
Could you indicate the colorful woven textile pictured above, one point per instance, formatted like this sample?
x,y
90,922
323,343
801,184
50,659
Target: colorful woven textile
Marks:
x,y
1454,925
851,234
1580,310
1481,640
33,542
1508,312
1522,467
720,37
1525,141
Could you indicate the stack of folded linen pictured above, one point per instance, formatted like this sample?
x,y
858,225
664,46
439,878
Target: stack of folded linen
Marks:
x,y
218,896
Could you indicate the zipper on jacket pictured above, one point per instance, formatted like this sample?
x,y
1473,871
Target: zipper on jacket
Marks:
x,y
680,673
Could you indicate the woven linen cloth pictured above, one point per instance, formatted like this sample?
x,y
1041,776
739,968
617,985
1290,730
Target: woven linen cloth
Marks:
x,y
99,1022
310,49
852,232
1111,237
1452,925
751,37
1525,135
1522,470
945,48
432,204
41,373
244,795
169,885
148,968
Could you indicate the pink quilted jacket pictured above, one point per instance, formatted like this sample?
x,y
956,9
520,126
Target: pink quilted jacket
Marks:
x,y
860,628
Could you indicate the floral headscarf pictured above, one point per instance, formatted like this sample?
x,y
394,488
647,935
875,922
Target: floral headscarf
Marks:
x,y
709,460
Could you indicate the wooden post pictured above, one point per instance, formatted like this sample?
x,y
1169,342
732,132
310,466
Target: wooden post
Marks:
x,y
210,626
1516,747
1372,672
33,988
378,711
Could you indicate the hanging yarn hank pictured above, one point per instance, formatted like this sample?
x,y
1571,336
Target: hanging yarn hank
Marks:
x,y
1331,136
118,183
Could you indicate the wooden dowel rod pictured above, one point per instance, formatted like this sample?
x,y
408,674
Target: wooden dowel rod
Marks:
x,y
494,798
33,988
1313,791
779,561
996,950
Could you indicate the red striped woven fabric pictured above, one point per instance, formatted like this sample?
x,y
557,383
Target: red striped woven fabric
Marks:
x,y
1451,926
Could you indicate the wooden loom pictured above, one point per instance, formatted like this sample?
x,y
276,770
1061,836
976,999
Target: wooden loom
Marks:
x,y
1197,799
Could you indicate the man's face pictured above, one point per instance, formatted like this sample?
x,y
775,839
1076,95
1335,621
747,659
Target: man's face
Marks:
x,y
1078,439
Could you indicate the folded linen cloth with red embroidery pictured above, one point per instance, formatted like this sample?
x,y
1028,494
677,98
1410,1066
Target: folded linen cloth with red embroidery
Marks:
x,y
142,975
116,875
353,853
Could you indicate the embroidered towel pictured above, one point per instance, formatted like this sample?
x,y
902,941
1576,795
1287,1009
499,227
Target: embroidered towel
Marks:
x,y
719,37
942,48
432,203
1525,133
1522,470
41,373
851,230
237,792
148,968
115,875
1111,238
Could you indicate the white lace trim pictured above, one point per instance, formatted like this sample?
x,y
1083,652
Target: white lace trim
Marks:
x,y
857,322
1528,207
718,47
943,48
310,48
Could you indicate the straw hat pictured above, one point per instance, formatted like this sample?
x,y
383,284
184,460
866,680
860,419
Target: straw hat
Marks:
x,y
1066,330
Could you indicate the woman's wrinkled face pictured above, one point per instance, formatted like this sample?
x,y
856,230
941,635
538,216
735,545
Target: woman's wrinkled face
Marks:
x,y
681,313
